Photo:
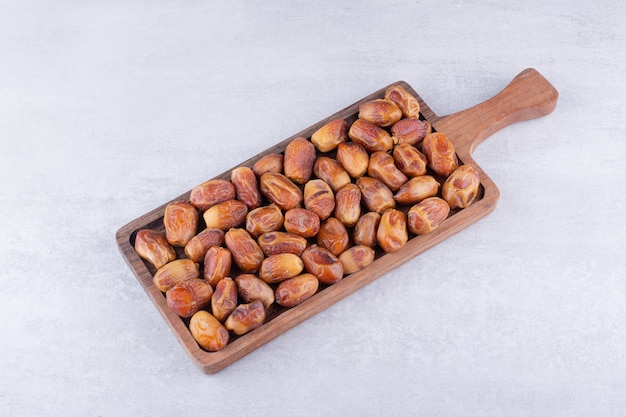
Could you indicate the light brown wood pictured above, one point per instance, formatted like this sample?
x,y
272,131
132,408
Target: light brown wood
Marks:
x,y
528,96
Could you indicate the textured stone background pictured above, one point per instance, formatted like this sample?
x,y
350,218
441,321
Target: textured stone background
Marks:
x,y
109,109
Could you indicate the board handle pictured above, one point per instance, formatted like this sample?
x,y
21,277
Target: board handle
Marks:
x,y
529,95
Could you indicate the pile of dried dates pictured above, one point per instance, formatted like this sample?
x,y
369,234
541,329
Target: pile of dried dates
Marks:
x,y
304,218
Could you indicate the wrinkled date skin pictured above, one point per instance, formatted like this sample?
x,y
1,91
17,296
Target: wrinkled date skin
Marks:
x,y
244,250
298,163
264,219
461,187
295,290
302,222
272,162
410,131
348,204
210,334
187,297
409,160
353,158
246,317
246,187
382,167
217,264
365,229
198,246
370,136
152,246
425,216
224,299
375,194
319,198
417,189
251,288
281,191
331,171
227,214
392,234
279,267
380,112
327,137
408,104
333,236
323,264
440,153
211,192
181,222
281,242
356,258
174,272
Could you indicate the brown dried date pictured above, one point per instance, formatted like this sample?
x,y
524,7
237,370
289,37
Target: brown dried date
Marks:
x,y
181,222
210,334
366,228
279,267
410,131
251,288
319,198
327,137
380,112
302,222
211,192
152,246
246,317
371,137
224,299
440,153
298,160
356,258
187,297
375,194
264,219
461,187
323,264
409,160
392,234
348,204
331,171
227,214
382,167
281,191
353,158
416,189
198,246
408,104
217,264
246,186
174,272
333,236
425,216
281,242
295,290
272,162
244,250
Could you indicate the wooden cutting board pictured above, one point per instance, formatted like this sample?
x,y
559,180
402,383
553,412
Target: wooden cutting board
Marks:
x,y
529,95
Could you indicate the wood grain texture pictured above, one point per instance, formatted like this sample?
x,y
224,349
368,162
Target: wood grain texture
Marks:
x,y
528,96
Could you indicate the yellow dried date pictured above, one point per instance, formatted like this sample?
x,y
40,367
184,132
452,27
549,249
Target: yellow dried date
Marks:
x,y
279,267
392,234
409,160
264,219
370,136
380,112
246,187
295,290
211,192
356,258
298,160
375,194
327,137
181,222
244,250
224,299
410,131
251,288
281,191
217,264
272,162
382,167
461,187
407,103
319,198
246,317
152,246
331,171
187,297
174,272
333,236
323,264
281,242
416,189
365,230
425,216
353,158
227,214
210,334
198,246
302,222
440,153
348,204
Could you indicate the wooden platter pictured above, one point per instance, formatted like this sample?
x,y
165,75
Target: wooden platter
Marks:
x,y
529,95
